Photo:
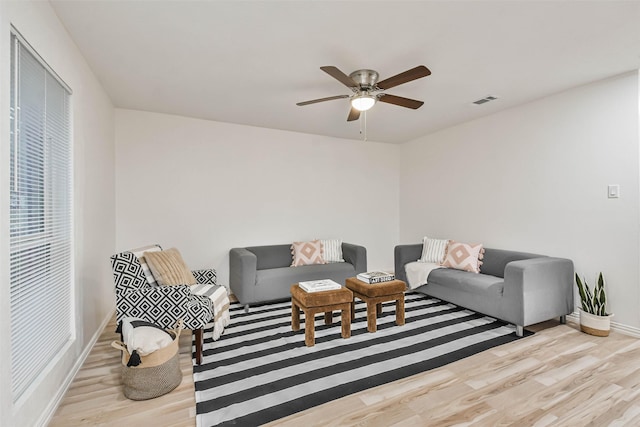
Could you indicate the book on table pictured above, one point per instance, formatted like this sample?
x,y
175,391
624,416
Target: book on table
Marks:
x,y
319,285
372,277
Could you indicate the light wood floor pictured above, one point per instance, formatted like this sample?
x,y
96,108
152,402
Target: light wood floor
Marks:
x,y
558,377
95,397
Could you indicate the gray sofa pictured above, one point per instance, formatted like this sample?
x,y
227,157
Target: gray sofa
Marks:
x,y
264,273
517,287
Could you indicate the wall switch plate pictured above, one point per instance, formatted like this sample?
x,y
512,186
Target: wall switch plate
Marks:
x,y
613,190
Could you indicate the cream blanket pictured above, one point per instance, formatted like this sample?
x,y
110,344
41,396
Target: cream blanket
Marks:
x,y
219,301
417,272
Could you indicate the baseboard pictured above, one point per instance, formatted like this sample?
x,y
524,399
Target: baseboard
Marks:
x,y
615,326
48,414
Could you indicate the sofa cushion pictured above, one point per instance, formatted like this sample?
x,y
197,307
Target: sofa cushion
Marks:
x,y
458,280
495,260
288,275
272,256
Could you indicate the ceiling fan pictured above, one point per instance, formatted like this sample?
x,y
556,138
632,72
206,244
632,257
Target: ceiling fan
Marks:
x,y
367,90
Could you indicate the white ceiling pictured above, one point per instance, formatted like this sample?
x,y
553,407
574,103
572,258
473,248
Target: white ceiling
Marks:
x,y
249,62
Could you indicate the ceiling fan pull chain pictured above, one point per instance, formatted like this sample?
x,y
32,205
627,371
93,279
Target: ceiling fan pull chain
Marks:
x,y
365,125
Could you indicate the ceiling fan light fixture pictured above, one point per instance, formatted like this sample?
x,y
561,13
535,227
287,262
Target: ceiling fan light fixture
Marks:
x,y
363,102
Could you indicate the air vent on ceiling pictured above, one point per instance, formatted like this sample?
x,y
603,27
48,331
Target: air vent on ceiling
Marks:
x,y
484,100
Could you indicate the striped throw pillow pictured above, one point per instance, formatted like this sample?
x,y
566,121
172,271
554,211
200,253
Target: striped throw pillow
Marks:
x,y
433,250
332,250
464,256
143,262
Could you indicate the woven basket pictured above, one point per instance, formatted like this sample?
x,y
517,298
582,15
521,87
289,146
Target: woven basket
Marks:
x,y
598,326
157,374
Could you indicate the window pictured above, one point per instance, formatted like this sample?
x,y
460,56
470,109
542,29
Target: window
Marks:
x,y
40,215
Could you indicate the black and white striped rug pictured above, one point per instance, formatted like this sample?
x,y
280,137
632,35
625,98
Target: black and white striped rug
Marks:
x,y
260,370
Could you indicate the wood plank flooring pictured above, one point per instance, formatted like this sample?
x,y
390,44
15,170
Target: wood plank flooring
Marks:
x,y
95,396
558,377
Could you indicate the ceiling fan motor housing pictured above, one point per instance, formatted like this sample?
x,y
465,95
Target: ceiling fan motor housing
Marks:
x,y
366,79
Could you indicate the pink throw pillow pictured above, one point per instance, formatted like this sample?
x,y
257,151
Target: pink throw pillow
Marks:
x,y
306,253
464,256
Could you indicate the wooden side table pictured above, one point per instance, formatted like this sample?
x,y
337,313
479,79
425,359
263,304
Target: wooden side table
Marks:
x,y
325,302
374,295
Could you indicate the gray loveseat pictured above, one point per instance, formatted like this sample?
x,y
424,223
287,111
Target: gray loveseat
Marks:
x,y
264,273
517,287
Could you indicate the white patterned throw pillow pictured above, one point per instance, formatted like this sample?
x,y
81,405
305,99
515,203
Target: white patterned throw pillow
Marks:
x,y
306,253
434,250
464,256
332,250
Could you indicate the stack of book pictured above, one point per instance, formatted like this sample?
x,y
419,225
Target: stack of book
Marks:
x,y
376,277
319,285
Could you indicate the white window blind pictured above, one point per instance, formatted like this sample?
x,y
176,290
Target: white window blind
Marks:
x,y
40,216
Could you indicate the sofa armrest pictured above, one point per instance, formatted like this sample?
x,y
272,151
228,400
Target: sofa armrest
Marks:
x,y
355,255
200,300
538,289
242,273
206,276
403,254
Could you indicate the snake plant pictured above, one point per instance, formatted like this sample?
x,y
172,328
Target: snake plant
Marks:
x,y
596,302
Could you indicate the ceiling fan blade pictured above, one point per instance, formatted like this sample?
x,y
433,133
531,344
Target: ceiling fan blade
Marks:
x,y
409,75
403,102
313,101
353,115
340,76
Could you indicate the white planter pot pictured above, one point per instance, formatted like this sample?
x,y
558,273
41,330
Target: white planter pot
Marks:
x,y
595,325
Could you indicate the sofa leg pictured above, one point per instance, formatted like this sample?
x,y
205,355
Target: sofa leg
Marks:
x,y
563,319
199,340
246,308
519,330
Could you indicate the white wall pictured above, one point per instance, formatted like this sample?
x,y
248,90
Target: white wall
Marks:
x,y
534,178
206,187
531,178
94,192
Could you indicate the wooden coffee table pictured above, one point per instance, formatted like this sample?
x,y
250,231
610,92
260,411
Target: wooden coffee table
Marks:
x,y
325,302
374,295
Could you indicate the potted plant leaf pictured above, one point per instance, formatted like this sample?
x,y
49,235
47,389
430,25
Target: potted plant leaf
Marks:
x,y
594,319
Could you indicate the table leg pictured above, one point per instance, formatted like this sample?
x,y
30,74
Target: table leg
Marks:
x,y
400,310
295,316
328,317
346,321
371,316
353,309
379,308
309,328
